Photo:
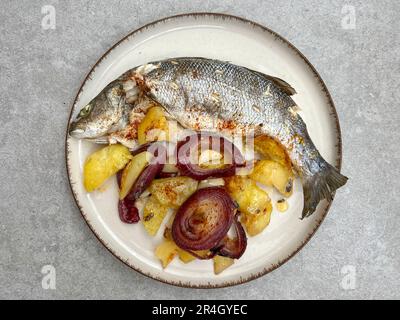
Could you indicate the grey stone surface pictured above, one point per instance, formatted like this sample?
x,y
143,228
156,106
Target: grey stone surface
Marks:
x,y
41,71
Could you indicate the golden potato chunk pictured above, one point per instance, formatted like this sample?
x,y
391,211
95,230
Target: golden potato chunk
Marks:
x,y
185,256
154,126
221,263
153,215
104,163
132,172
166,252
256,223
173,192
271,173
250,197
254,203
272,150
211,159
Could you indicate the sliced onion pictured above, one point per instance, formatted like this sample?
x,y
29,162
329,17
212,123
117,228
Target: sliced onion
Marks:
x,y
234,248
144,180
203,220
128,212
167,174
190,146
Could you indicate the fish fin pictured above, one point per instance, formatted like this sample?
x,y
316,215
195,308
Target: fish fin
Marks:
x,y
281,84
320,186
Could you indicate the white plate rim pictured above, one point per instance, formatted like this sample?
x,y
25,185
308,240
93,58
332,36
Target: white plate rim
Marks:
x,y
333,113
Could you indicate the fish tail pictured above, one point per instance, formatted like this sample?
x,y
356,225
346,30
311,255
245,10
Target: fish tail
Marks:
x,y
320,186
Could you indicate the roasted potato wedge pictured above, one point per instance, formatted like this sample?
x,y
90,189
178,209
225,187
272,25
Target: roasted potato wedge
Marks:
x,y
132,172
221,263
173,192
254,203
153,215
271,173
104,163
154,126
250,197
272,150
211,159
166,252
185,256
215,182
256,223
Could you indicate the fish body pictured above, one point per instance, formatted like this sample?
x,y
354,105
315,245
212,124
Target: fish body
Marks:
x,y
204,94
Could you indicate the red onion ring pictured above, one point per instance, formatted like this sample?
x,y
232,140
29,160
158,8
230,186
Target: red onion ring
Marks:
x,y
234,248
203,220
207,141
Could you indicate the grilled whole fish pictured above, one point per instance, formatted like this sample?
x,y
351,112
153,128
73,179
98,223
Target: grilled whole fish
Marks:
x,y
204,94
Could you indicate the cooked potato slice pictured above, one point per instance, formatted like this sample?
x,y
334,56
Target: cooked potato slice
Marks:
x,y
132,172
250,197
102,164
166,252
272,150
272,173
185,256
211,159
154,126
172,192
256,223
221,263
153,215
215,182
254,203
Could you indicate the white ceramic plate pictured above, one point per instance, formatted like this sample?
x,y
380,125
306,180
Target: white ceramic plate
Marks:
x,y
241,42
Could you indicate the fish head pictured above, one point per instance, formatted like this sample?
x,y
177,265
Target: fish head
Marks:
x,y
103,115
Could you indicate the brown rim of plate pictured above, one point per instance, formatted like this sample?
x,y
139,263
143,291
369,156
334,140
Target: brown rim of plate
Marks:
x,y
333,113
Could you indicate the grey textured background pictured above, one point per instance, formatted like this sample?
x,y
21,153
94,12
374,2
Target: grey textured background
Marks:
x,y
41,71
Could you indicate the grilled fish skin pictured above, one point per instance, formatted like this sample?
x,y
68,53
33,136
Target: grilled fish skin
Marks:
x,y
204,94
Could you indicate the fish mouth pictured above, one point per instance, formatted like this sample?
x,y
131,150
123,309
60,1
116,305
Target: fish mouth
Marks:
x,y
76,132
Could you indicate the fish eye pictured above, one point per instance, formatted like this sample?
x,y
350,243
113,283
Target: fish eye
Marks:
x,y
85,111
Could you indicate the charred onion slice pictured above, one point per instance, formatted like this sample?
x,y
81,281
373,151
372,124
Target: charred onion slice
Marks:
x,y
155,166
127,210
234,248
191,146
144,180
203,220
167,174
